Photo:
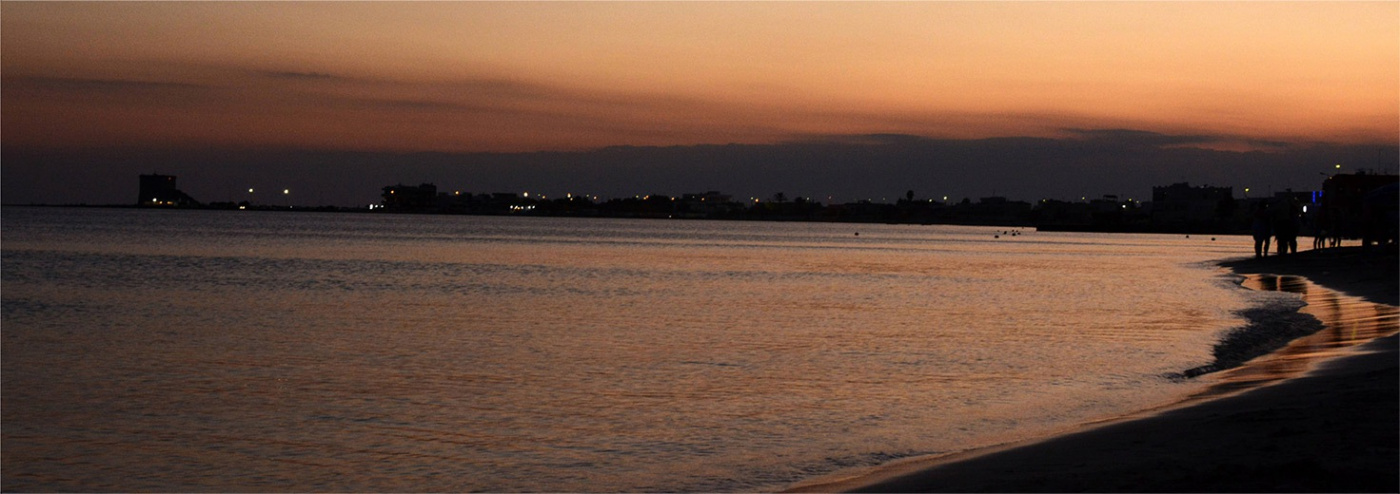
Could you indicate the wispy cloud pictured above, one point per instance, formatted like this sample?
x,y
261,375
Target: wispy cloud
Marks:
x,y
1138,138
74,84
1133,139
411,105
1268,144
306,76
488,112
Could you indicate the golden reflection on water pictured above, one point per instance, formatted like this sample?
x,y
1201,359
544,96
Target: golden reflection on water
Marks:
x,y
1347,321
383,353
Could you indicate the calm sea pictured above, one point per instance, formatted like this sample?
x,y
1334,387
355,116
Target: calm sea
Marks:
x,y
242,351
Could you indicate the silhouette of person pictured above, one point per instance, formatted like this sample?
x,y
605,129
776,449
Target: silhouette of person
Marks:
x,y
1286,227
1320,230
1262,228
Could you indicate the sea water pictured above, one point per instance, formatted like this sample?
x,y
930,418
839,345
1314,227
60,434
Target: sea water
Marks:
x,y
262,351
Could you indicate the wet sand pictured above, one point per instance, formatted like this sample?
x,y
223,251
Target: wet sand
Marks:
x,y
1330,424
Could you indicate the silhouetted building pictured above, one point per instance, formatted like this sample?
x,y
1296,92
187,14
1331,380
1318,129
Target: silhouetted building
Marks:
x,y
160,190
995,210
1353,205
409,197
1105,214
454,202
1180,207
708,204
1053,214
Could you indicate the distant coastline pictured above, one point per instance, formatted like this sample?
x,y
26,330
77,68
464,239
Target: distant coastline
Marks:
x,y
1350,206
1011,214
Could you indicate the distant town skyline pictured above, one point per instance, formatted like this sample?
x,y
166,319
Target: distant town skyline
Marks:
x,y
1021,99
879,168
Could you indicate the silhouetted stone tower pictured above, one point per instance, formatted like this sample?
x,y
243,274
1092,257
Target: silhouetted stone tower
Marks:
x,y
159,190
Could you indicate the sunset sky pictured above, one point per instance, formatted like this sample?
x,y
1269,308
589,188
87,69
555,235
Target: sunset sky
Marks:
x,y
517,77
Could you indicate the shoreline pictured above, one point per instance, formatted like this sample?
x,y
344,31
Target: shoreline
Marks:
x,y
1331,425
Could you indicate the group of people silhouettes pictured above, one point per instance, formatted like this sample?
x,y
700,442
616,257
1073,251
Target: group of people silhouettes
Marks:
x,y
1279,223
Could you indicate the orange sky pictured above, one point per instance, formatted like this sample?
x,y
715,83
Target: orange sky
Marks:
x,y
525,76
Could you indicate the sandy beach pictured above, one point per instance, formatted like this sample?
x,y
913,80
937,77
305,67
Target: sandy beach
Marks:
x,y
1334,428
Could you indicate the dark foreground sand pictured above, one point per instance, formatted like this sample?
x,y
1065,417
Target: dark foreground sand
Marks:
x,y
1335,429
